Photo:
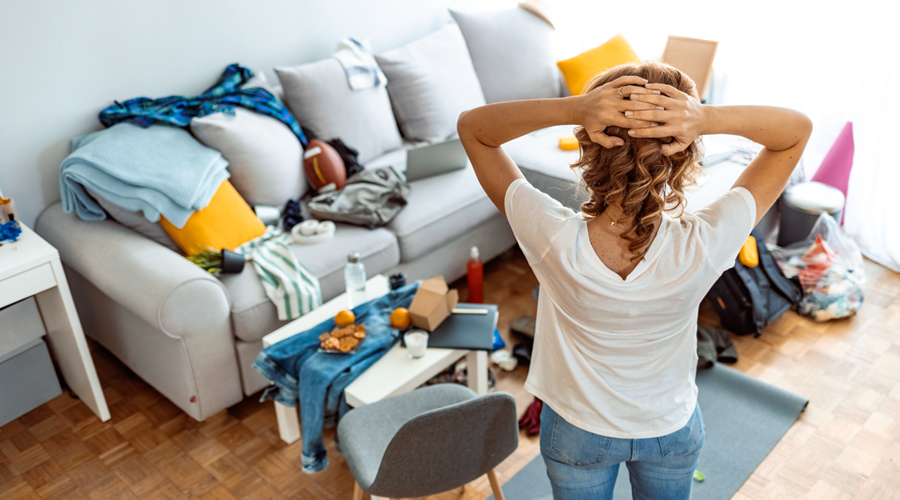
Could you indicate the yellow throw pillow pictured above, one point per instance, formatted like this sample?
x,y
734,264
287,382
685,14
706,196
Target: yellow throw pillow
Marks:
x,y
579,70
227,222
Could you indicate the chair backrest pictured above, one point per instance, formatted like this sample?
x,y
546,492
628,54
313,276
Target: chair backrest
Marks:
x,y
446,448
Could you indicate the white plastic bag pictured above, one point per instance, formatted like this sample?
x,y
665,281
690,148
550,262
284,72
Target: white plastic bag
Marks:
x,y
829,266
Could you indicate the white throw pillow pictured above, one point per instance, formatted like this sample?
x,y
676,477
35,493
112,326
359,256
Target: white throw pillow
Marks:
x,y
264,156
321,99
512,53
431,81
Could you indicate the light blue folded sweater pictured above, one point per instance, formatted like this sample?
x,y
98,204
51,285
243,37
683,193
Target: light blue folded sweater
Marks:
x,y
159,170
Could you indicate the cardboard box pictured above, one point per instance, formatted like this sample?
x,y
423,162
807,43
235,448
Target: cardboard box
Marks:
x,y
432,303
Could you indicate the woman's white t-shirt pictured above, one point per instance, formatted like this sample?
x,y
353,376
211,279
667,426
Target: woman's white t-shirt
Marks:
x,y
618,357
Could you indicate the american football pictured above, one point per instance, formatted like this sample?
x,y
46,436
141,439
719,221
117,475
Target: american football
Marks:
x,y
323,165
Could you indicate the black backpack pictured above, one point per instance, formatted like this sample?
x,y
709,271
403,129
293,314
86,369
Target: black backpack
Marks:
x,y
749,298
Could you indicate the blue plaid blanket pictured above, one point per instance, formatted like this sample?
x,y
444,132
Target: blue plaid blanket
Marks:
x,y
220,98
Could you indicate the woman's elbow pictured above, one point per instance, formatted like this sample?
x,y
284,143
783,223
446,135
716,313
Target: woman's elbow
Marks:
x,y
463,123
806,125
470,125
800,128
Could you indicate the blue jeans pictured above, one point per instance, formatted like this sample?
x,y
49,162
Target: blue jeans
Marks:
x,y
317,380
584,465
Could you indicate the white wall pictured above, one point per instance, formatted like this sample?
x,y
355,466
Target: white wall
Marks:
x,y
61,62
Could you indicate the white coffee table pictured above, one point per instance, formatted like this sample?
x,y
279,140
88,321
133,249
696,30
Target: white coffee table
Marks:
x,y
395,373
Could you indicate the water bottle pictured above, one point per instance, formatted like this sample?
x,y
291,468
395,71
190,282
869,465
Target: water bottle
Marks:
x,y
355,280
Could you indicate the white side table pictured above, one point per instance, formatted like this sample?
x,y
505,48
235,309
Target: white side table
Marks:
x,y
395,373
31,267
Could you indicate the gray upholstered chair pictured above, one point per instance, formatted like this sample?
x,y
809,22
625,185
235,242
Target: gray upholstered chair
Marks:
x,y
428,441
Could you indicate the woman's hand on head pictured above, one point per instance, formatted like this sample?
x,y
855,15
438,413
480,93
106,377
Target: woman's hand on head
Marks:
x,y
679,115
606,106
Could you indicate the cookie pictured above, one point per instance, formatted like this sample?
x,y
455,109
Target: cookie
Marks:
x,y
360,328
324,337
348,343
332,344
359,334
343,332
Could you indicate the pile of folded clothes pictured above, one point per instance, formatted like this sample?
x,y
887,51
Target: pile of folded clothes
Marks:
x,y
158,170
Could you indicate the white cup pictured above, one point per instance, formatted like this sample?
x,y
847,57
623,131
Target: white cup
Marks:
x,y
416,343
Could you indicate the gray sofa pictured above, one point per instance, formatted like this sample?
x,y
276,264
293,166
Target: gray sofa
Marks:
x,y
194,337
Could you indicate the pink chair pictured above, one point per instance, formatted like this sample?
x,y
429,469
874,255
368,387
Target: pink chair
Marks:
x,y
835,168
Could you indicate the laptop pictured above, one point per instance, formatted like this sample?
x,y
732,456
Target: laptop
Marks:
x,y
435,159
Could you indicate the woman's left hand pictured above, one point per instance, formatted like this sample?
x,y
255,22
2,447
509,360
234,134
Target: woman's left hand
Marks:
x,y
606,106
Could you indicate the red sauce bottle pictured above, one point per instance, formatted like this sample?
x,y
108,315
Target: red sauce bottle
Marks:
x,y
475,277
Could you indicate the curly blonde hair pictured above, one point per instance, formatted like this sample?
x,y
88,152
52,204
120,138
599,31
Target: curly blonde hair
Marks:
x,y
637,176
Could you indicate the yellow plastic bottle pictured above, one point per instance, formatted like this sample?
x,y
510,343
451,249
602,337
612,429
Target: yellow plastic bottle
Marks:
x,y
749,256
568,143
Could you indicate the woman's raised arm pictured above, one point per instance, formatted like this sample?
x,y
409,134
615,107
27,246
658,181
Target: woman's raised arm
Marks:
x,y
783,133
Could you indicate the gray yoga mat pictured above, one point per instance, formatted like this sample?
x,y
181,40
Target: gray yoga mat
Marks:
x,y
744,419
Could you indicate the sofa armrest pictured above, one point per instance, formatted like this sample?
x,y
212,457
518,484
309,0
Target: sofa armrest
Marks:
x,y
156,284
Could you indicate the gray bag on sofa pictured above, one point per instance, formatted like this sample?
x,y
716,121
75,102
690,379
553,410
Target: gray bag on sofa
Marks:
x,y
370,198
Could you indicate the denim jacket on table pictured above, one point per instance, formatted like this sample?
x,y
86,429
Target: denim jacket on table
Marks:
x,y
317,379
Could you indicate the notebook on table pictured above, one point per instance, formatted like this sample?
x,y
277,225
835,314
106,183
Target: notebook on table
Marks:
x,y
466,331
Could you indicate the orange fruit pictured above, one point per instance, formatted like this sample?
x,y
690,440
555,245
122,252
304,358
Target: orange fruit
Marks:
x,y
344,318
400,318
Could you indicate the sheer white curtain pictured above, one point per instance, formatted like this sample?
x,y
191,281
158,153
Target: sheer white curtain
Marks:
x,y
873,200
834,63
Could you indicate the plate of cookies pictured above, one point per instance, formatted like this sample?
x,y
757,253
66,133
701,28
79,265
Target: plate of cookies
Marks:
x,y
342,340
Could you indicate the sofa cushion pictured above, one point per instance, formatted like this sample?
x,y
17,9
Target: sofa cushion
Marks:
x,y
252,313
136,222
510,42
321,99
581,69
395,158
264,156
431,81
440,209
547,167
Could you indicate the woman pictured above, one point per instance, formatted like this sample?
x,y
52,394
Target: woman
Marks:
x,y
615,346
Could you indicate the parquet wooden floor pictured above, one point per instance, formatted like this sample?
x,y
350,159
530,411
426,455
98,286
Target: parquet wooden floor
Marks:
x,y
845,446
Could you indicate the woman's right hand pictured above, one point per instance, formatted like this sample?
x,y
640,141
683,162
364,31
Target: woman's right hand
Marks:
x,y
682,117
